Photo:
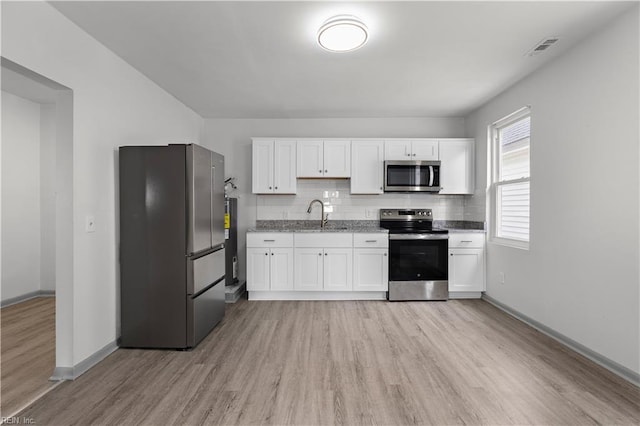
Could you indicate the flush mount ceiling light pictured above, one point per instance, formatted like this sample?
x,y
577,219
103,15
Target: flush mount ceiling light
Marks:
x,y
342,33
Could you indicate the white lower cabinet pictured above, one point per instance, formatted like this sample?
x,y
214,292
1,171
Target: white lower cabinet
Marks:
x,y
370,262
323,262
320,266
269,261
370,269
309,269
338,269
466,263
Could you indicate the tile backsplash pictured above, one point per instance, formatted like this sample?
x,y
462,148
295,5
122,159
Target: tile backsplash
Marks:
x,y
341,205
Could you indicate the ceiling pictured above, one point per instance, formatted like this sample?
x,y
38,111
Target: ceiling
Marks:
x,y
260,59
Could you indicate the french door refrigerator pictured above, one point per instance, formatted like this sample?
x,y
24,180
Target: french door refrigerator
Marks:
x,y
172,253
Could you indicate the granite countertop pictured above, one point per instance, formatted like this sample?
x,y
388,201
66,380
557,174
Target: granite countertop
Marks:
x,y
453,226
349,226
458,226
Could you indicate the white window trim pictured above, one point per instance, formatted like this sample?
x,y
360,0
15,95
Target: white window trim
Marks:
x,y
494,184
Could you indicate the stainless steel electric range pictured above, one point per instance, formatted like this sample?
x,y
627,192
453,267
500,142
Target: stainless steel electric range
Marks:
x,y
418,255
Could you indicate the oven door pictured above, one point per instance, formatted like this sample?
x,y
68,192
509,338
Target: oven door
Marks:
x,y
418,267
418,257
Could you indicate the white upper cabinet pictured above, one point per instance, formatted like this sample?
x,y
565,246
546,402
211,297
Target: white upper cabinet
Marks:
x,y
367,166
324,158
424,149
411,149
273,167
457,158
310,159
284,170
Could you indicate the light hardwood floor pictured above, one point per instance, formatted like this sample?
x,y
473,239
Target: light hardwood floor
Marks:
x,y
340,362
27,336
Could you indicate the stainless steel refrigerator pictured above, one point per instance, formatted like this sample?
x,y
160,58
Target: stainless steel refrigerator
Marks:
x,y
172,252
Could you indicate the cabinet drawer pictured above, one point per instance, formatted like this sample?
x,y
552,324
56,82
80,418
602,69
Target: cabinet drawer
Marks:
x,y
325,239
269,239
471,240
372,240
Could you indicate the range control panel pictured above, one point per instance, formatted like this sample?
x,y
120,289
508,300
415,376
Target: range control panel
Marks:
x,y
406,214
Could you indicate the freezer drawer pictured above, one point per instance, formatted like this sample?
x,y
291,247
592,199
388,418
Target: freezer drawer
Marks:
x,y
204,312
205,270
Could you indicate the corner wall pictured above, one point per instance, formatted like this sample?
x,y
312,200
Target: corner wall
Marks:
x,y
113,105
580,277
20,196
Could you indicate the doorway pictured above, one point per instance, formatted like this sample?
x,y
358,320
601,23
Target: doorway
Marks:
x,y
36,233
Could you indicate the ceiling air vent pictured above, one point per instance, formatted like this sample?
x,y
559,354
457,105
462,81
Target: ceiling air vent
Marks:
x,y
542,46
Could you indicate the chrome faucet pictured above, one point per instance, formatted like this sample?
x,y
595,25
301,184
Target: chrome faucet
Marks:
x,y
323,219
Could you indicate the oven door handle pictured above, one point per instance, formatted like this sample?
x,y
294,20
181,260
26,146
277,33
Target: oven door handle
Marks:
x,y
419,236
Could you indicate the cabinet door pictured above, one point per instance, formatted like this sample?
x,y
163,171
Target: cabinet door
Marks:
x,y
284,170
310,159
307,268
258,260
367,166
466,269
370,270
424,149
338,269
399,149
262,167
337,159
281,268
457,166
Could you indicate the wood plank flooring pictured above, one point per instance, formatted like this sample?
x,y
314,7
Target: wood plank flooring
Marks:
x,y
27,336
364,362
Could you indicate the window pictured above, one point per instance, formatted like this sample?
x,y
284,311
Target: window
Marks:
x,y
511,176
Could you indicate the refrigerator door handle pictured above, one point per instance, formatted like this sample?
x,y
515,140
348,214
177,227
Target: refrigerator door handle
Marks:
x,y
208,287
213,185
203,253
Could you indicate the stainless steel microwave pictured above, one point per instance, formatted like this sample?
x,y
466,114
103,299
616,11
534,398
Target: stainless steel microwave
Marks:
x,y
412,176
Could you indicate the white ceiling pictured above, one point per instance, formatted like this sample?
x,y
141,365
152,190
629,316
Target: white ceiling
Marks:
x,y
260,59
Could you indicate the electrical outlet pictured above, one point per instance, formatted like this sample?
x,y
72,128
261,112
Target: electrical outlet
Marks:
x,y
368,213
90,224
501,277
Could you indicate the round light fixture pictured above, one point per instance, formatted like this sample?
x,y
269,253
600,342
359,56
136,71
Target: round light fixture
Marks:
x,y
342,33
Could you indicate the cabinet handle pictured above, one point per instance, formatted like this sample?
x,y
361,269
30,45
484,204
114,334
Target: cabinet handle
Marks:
x,y
269,241
408,155
326,171
269,187
371,241
266,254
414,155
276,187
271,254
451,254
319,254
319,171
466,241
385,254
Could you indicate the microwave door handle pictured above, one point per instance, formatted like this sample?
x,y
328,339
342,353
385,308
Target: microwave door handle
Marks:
x,y
431,176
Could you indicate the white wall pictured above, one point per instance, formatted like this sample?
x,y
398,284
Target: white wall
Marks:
x,y
232,138
20,196
113,105
580,276
48,197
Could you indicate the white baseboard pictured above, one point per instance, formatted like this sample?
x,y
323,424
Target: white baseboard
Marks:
x,y
72,373
465,294
27,296
619,370
317,295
